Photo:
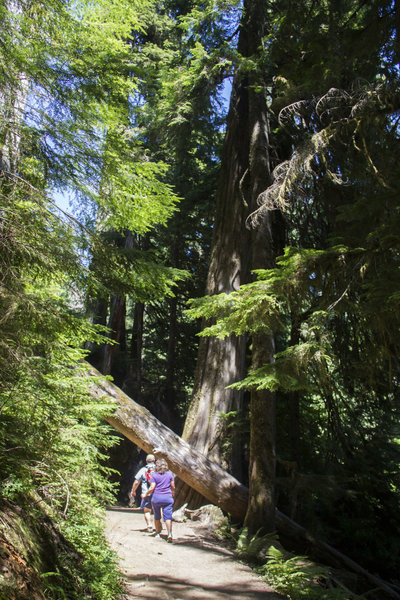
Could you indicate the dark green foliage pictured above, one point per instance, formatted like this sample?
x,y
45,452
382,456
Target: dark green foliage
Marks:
x,y
332,300
297,578
120,103
178,119
56,103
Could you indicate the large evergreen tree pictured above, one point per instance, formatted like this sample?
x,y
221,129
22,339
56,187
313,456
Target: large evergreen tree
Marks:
x,y
245,173
181,127
119,106
65,78
332,298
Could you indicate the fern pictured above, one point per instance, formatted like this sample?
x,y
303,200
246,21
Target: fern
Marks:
x,y
298,578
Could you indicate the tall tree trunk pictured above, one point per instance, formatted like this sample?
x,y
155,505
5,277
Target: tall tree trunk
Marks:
x,y
261,507
245,173
116,320
221,362
13,97
133,380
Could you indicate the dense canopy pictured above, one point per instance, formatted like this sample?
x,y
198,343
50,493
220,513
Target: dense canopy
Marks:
x,y
171,168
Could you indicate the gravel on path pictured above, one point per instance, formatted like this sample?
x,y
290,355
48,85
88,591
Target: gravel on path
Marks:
x,y
196,566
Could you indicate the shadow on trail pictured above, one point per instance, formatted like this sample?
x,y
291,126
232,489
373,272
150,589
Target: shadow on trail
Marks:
x,y
196,566
203,541
200,544
165,586
127,509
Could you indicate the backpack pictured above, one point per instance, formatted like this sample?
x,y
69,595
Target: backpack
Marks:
x,y
149,471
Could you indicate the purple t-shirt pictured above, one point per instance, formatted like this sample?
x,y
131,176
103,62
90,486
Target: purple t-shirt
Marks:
x,y
162,490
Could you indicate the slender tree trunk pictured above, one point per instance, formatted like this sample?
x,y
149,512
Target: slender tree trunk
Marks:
x,y
133,380
13,98
294,400
116,320
116,324
261,507
170,399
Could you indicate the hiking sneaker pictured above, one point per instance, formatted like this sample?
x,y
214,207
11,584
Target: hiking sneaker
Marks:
x,y
150,529
157,535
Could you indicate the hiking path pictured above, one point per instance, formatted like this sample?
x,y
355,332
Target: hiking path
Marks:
x,y
196,566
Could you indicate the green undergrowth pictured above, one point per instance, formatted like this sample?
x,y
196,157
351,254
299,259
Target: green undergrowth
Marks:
x,y
42,557
296,577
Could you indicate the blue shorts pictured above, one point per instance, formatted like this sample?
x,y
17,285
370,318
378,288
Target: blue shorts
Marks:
x,y
166,506
146,502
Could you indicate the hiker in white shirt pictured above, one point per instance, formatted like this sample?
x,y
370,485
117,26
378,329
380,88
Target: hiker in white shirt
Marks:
x,y
142,477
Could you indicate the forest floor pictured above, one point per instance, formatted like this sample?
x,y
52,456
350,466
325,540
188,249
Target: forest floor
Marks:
x,y
196,566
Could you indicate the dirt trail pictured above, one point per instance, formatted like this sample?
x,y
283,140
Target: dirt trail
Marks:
x,y
194,567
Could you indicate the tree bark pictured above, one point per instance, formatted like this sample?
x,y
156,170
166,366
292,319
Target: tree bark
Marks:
x,y
116,320
133,380
261,508
222,362
171,352
237,250
219,487
116,324
143,429
13,98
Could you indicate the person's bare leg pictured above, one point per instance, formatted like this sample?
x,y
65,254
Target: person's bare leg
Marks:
x,y
158,526
147,518
168,525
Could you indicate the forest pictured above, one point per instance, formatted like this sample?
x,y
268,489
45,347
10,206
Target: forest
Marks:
x,y
198,202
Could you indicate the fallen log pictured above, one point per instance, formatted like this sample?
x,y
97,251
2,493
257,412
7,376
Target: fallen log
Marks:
x,y
143,429
137,424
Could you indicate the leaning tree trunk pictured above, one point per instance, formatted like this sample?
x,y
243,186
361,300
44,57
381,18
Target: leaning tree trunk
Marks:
x,y
138,425
209,479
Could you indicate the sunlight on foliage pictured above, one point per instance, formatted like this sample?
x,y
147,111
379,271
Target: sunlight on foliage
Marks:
x,y
64,123
297,578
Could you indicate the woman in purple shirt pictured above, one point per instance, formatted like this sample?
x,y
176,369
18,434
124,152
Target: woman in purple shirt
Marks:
x,y
162,487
